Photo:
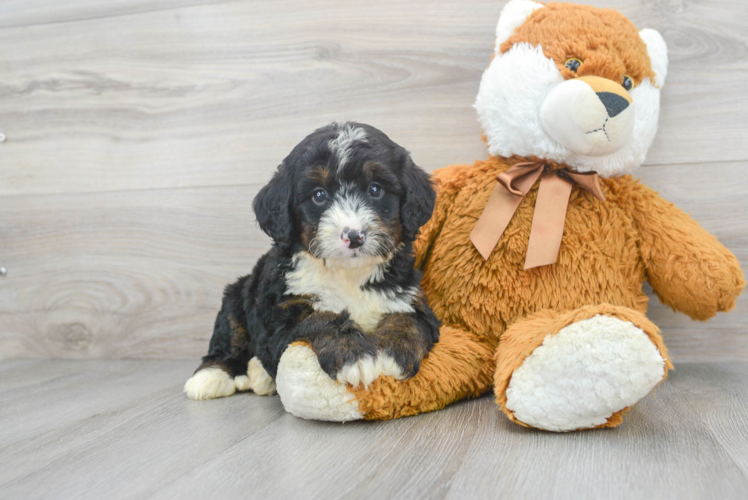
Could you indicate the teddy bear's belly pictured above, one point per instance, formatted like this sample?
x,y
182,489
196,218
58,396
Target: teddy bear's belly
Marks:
x,y
598,262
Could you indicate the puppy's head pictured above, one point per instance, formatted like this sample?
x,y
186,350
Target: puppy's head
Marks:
x,y
346,194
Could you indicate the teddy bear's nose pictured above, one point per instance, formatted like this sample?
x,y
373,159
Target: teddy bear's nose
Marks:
x,y
613,103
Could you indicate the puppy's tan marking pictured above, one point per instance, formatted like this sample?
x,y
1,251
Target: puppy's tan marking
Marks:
x,y
319,174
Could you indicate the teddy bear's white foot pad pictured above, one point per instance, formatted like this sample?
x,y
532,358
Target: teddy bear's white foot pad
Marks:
x,y
308,392
582,375
209,383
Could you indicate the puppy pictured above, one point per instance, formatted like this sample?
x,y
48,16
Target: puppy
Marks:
x,y
343,210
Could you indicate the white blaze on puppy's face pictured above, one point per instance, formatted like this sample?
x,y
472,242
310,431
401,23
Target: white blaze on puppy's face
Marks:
x,y
345,140
350,215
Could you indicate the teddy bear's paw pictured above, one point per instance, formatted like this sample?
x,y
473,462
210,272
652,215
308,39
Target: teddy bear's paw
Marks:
x,y
209,383
581,376
306,391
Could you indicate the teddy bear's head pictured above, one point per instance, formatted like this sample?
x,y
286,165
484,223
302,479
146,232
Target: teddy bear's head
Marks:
x,y
572,84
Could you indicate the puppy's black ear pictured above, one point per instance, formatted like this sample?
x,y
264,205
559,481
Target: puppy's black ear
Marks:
x,y
418,199
272,207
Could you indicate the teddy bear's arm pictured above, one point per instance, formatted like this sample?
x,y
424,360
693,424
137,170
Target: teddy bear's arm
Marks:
x,y
688,268
447,182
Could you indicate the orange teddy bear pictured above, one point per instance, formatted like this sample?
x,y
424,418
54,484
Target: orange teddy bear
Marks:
x,y
534,259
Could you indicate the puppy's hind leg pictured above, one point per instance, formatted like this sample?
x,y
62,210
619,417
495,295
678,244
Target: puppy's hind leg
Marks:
x,y
222,377
224,369
210,382
219,377
260,380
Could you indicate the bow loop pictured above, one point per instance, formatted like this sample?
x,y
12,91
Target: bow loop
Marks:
x,y
519,179
550,209
587,180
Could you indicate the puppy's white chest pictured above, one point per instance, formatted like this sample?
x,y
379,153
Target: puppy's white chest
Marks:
x,y
340,289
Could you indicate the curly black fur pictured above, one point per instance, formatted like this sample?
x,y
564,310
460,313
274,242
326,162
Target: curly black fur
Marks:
x,y
259,318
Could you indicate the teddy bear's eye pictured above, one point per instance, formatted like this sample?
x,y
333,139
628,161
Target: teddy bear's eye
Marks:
x,y
573,64
628,83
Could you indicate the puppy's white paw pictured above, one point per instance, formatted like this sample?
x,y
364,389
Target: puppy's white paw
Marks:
x,y
388,366
367,370
259,379
209,383
241,383
364,371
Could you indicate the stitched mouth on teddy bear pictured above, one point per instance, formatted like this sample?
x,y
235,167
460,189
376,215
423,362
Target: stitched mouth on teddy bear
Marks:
x,y
591,116
601,129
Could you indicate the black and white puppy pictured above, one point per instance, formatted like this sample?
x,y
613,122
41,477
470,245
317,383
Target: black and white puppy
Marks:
x,y
343,210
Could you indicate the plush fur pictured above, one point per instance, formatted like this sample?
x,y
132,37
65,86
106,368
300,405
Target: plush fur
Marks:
x,y
529,68
343,211
575,331
552,389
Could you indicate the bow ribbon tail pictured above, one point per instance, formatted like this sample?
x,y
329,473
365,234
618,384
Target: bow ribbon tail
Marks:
x,y
548,220
505,198
547,228
493,221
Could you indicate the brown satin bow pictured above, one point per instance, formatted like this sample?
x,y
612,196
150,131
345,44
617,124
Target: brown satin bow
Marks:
x,y
550,209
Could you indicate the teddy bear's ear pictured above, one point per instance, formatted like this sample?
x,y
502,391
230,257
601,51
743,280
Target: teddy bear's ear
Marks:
x,y
514,14
657,50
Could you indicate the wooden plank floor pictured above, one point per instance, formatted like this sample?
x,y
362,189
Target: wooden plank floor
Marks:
x,y
123,429
138,132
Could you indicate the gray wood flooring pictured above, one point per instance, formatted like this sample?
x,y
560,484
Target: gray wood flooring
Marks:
x,y
138,132
123,429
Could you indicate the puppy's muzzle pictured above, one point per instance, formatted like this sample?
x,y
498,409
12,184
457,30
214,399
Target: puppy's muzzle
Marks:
x,y
354,238
589,115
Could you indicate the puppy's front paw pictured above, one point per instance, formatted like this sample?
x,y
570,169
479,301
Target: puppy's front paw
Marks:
x,y
347,355
388,366
400,363
209,383
363,371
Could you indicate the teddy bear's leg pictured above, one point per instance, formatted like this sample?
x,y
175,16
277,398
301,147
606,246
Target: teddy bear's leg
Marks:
x,y
579,369
460,365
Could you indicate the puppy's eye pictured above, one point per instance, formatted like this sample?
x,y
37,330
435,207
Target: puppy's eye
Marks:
x,y
319,196
375,190
628,83
573,64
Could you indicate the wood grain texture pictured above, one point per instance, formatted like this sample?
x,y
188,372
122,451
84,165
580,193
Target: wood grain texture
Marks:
x,y
719,397
138,133
122,429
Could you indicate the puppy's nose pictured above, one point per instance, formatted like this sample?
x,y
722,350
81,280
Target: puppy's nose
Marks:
x,y
613,103
353,237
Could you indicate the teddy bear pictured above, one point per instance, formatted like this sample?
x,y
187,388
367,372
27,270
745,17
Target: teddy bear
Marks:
x,y
534,259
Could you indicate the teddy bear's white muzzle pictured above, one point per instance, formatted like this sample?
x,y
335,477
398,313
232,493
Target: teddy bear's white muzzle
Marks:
x,y
591,116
